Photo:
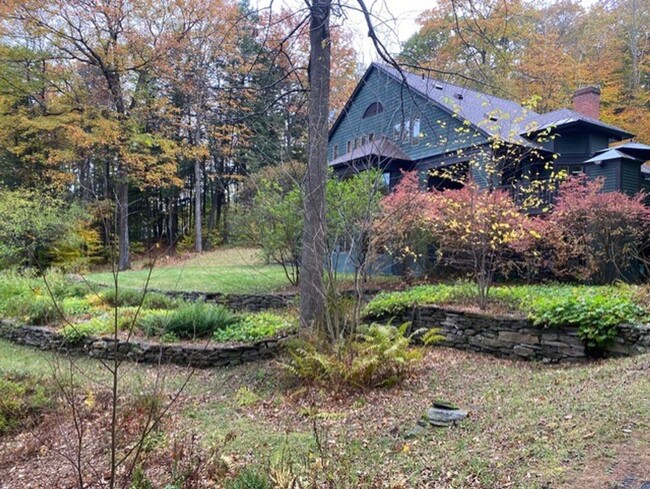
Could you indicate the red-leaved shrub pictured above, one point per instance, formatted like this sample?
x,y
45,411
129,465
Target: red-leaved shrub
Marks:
x,y
597,236
473,229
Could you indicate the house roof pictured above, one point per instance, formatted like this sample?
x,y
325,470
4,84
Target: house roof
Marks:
x,y
563,117
493,116
611,154
380,148
636,150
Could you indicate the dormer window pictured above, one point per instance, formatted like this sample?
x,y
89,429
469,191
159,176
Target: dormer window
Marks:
x,y
373,109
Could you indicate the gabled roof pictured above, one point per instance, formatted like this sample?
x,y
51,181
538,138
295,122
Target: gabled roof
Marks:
x,y
381,148
492,116
563,117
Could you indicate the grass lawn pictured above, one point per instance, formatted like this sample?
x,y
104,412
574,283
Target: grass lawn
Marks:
x,y
228,270
530,425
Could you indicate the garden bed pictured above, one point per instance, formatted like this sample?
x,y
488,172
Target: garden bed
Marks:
x,y
151,327
550,323
186,354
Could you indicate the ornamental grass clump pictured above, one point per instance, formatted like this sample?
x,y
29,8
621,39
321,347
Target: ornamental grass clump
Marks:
x,y
198,320
134,298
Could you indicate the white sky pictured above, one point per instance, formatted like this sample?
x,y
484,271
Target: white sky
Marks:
x,y
399,18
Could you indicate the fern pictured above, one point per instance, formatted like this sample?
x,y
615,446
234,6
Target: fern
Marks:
x,y
379,356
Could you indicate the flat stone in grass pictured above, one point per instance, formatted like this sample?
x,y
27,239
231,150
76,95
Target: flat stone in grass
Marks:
x,y
440,415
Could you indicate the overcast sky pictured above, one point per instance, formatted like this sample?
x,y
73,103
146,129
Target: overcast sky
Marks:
x,y
399,17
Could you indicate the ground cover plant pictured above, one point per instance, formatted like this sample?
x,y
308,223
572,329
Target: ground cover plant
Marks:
x,y
596,310
22,400
80,311
530,425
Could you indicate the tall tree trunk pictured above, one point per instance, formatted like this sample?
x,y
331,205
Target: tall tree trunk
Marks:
x,y
312,288
198,187
124,260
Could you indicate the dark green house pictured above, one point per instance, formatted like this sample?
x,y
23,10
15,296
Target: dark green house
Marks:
x,y
397,120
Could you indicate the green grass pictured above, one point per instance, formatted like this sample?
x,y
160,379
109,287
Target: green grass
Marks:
x,y
530,425
229,271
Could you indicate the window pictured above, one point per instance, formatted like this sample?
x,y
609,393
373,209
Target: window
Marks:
x,y
397,132
386,178
371,137
416,132
373,109
335,152
356,143
363,140
406,133
349,146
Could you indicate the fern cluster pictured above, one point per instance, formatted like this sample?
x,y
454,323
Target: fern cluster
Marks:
x,y
379,356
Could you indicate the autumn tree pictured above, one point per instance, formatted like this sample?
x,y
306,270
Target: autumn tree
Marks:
x,y
121,45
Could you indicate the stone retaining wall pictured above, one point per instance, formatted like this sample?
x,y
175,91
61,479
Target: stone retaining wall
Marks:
x,y
249,302
201,356
237,302
518,337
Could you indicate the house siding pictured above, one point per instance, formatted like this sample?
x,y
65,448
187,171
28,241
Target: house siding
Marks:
x,y
572,143
441,131
597,142
630,177
610,171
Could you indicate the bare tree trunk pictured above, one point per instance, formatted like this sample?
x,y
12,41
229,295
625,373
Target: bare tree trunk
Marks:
x,y
198,187
124,260
312,288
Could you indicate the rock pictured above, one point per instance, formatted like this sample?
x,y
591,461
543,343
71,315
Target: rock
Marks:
x,y
415,431
442,404
445,417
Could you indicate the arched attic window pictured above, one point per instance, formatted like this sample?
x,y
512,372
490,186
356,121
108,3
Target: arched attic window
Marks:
x,y
373,109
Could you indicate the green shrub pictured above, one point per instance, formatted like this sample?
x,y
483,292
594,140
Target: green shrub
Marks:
x,y
197,320
134,297
32,309
21,398
250,478
76,333
379,356
395,303
75,306
254,327
596,316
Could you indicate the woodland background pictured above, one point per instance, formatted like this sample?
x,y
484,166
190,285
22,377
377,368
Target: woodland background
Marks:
x,y
157,112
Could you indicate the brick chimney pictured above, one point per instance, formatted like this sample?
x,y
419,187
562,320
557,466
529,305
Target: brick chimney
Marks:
x,y
587,101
